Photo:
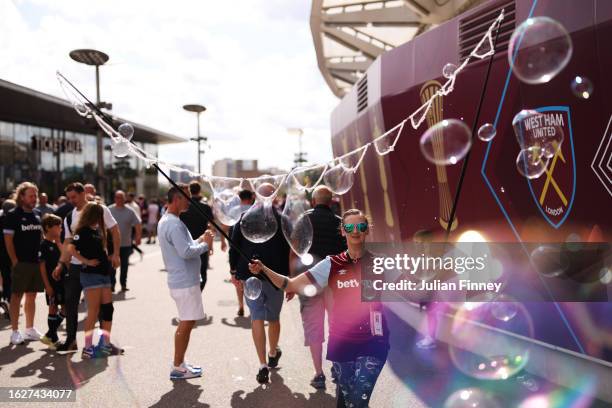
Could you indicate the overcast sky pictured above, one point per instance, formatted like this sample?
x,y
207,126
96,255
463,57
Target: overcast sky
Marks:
x,y
252,63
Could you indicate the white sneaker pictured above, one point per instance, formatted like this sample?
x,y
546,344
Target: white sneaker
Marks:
x,y
16,338
32,334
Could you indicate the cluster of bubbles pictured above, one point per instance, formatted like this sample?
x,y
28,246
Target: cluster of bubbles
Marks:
x,y
539,49
539,138
480,347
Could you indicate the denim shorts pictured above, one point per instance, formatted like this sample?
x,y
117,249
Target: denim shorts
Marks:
x,y
268,305
94,280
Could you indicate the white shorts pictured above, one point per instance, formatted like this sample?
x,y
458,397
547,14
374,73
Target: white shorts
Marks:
x,y
188,302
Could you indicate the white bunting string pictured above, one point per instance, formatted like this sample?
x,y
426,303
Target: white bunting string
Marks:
x,y
84,108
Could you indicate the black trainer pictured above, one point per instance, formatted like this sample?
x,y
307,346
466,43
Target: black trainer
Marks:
x,y
318,382
67,347
273,361
263,375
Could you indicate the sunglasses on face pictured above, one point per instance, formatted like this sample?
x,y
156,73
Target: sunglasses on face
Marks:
x,y
361,227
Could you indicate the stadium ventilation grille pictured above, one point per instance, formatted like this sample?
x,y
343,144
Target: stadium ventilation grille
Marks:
x,y
362,93
474,27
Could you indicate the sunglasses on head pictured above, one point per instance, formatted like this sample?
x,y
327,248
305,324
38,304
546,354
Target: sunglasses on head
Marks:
x,y
361,227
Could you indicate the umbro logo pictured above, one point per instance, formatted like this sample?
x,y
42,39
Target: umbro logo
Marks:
x,y
342,272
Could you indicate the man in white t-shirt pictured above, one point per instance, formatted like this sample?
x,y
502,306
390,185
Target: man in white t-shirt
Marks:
x,y
72,282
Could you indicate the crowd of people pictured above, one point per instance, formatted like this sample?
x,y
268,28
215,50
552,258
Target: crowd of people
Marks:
x,y
78,244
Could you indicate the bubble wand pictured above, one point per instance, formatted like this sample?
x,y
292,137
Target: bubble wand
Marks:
x,y
106,118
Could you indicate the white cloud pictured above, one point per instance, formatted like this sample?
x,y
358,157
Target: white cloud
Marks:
x,y
251,62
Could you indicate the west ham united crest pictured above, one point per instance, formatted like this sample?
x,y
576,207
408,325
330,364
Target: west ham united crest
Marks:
x,y
554,191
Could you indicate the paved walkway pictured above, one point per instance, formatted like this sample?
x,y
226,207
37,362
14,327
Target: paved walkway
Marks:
x,y
222,344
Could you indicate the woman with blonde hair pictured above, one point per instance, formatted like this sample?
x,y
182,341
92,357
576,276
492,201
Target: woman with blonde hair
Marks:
x,y
358,341
89,247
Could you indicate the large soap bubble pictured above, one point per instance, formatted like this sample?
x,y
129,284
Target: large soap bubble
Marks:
x,y
226,203
542,130
259,224
531,163
339,179
252,288
539,49
295,223
486,342
446,142
471,398
228,211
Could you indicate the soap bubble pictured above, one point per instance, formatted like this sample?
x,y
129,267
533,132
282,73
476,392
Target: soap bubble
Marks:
x,y
446,142
538,50
295,223
605,276
121,148
486,132
307,259
126,130
228,211
543,130
224,187
531,162
252,288
266,187
582,87
503,309
470,398
480,345
81,109
449,70
307,177
339,179
550,261
259,224
310,290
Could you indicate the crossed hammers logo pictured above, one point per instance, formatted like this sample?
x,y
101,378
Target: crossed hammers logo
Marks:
x,y
551,180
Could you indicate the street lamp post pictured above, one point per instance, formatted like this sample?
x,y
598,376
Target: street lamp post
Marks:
x,y
197,109
95,58
300,156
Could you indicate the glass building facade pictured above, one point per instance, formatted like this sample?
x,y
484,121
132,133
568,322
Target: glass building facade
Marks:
x,y
53,158
43,140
